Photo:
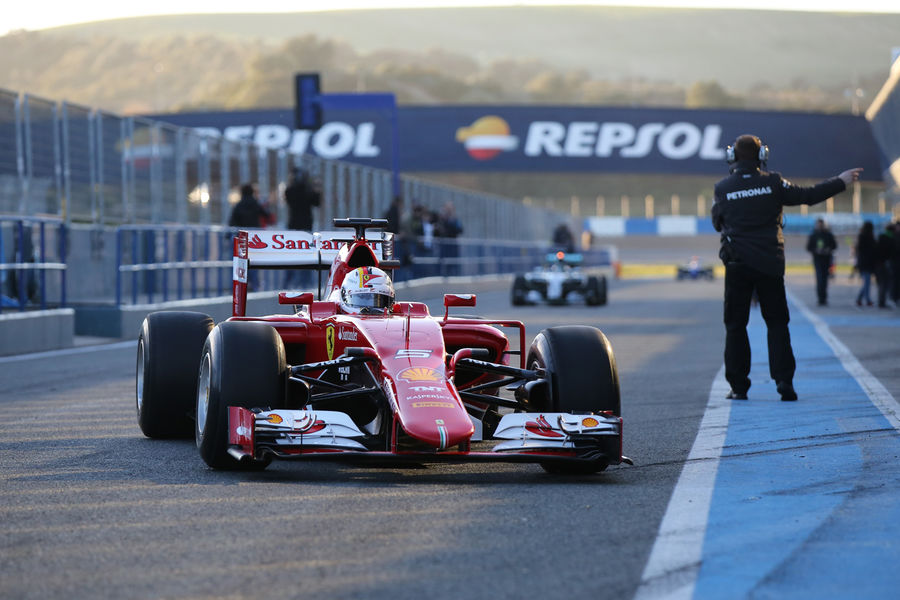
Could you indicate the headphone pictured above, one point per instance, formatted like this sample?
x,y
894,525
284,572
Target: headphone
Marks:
x,y
763,155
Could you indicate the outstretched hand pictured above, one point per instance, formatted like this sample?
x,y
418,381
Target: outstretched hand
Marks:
x,y
850,175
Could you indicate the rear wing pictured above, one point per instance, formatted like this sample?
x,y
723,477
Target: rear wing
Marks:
x,y
291,249
266,248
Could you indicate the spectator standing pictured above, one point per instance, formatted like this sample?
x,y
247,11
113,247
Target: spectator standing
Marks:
x,y
301,195
249,212
449,228
821,244
894,265
748,212
393,214
563,238
884,275
866,261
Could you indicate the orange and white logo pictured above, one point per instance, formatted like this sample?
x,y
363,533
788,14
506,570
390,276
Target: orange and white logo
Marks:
x,y
486,138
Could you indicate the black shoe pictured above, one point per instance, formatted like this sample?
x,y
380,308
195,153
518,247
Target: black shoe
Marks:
x,y
733,395
786,389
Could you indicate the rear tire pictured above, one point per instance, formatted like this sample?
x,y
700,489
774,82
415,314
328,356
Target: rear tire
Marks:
x,y
242,364
168,352
582,377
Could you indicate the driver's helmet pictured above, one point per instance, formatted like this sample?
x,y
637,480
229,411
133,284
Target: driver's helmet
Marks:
x,y
367,290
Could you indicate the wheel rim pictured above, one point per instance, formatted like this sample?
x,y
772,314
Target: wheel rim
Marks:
x,y
139,392
202,396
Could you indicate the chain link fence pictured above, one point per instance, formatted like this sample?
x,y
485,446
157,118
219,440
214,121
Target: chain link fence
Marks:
x,y
86,166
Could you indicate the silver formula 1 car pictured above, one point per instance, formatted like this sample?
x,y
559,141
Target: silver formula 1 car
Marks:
x,y
559,281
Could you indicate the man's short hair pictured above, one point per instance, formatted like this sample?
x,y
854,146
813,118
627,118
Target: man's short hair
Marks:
x,y
747,147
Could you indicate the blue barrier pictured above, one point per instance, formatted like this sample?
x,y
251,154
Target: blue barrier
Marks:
x,y
24,275
195,260
175,262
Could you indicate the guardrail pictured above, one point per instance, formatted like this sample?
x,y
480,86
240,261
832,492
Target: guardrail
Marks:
x,y
159,263
24,264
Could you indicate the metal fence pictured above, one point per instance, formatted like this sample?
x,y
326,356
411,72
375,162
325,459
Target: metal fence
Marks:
x,y
32,263
159,263
88,166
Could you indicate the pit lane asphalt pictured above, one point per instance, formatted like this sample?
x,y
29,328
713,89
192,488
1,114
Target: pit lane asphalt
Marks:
x,y
90,508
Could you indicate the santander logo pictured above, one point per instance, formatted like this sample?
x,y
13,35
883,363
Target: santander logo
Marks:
x,y
486,138
256,243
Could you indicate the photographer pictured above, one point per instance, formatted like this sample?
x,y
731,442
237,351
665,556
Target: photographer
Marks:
x,y
748,212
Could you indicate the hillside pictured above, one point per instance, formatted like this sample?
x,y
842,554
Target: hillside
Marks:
x,y
609,55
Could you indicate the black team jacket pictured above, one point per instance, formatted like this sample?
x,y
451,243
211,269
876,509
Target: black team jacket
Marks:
x,y
748,213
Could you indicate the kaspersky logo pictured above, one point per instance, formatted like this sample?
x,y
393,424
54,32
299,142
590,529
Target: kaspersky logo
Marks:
x,y
486,138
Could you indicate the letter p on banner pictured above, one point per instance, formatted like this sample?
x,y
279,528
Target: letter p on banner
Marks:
x,y
307,103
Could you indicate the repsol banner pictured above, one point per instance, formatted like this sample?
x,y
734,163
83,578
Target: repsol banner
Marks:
x,y
560,139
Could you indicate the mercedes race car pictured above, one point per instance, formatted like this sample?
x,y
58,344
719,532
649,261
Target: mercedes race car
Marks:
x,y
559,281
695,269
355,375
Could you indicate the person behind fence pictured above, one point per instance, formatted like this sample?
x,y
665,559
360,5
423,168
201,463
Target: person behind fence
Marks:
x,y
866,261
884,275
563,238
249,213
449,228
301,195
748,213
821,244
894,265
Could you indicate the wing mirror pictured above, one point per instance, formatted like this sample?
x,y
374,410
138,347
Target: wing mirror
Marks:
x,y
295,298
457,300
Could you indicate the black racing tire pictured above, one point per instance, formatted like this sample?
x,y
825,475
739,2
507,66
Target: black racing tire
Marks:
x,y
596,294
169,348
519,296
582,378
242,364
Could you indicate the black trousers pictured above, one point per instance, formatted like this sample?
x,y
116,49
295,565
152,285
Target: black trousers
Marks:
x,y
740,283
822,264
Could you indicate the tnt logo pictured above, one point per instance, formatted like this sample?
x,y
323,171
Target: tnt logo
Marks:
x,y
486,138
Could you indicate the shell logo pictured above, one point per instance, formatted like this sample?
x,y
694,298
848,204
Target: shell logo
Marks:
x,y
420,374
486,138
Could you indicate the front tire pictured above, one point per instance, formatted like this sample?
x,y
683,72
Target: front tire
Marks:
x,y
582,378
519,296
596,291
169,348
242,364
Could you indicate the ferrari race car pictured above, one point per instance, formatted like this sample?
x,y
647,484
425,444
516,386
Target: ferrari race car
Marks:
x,y
557,281
356,376
695,269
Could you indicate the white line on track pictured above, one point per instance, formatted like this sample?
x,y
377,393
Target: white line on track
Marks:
x,y
874,389
675,559
674,562
68,351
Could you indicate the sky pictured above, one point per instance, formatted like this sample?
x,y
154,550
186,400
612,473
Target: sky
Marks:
x,y
39,15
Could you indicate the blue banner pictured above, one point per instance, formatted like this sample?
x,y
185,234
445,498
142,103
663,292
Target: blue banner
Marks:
x,y
560,138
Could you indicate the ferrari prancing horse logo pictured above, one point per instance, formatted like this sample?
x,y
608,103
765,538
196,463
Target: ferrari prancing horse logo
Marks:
x,y
329,341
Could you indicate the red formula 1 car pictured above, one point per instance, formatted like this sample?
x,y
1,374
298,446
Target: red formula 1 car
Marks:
x,y
356,376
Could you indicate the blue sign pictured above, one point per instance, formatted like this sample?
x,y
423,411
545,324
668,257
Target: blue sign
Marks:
x,y
560,139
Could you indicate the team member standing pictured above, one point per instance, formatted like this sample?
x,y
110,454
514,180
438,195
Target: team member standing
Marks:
x,y
821,244
748,212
